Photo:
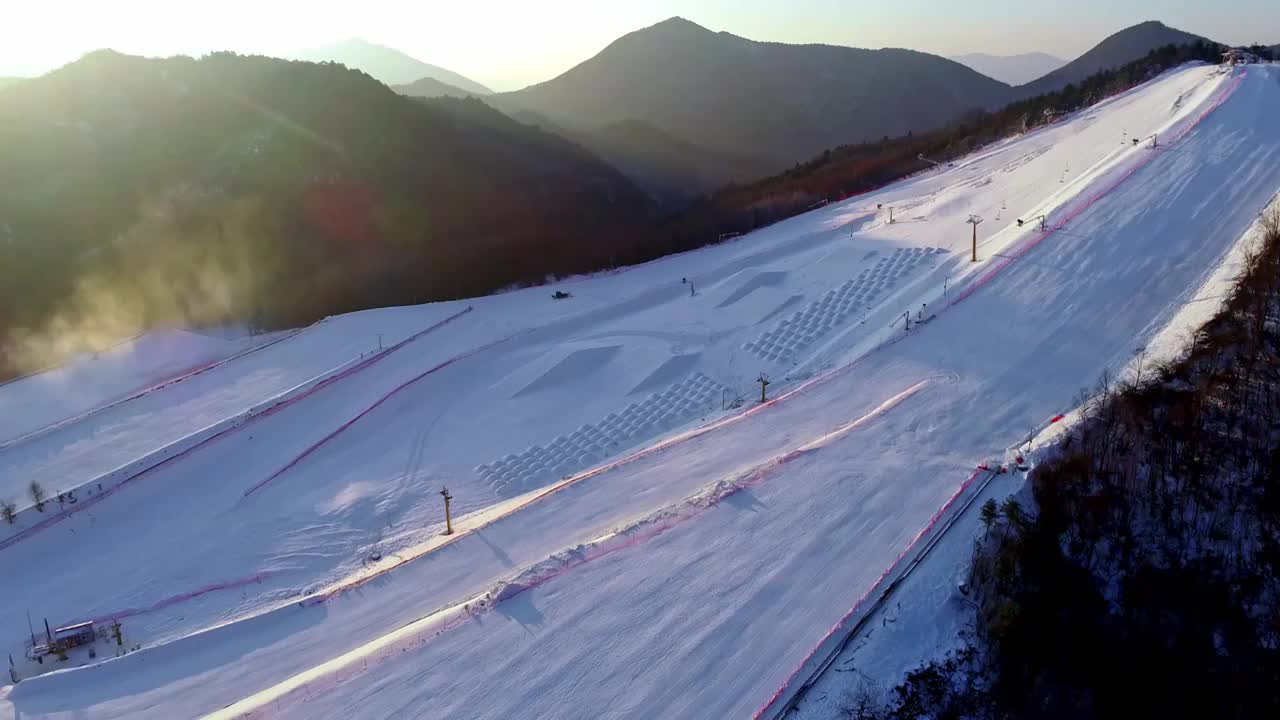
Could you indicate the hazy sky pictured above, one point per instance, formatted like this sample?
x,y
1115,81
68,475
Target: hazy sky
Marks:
x,y
507,44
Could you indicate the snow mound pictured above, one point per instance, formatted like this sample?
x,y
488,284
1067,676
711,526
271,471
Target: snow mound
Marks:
x,y
590,444
759,280
782,307
571,368
793,335
673,368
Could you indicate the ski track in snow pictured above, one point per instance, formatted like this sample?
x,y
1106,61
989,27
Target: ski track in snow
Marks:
x,y
633,535
125,476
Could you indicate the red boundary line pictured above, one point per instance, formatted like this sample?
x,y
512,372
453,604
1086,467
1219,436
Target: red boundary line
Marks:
x,y
344,426
751,478
857,605
95,499
327,595
989,274
56,366
182,597
148,390
645,531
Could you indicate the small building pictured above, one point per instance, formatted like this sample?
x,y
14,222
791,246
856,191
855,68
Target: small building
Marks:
x,y
62,640
74,635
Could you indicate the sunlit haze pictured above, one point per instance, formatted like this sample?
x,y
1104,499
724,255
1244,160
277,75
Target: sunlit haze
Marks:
x,y
507,44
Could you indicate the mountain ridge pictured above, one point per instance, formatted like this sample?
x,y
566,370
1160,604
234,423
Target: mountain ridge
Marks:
x,y
1115,50
429,87
386,64
671,170
1011,69
709,88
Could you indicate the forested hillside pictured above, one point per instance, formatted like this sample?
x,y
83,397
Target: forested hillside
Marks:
x,y
1142,573
387,65
731,94
429,87
138,192
1114,51
852,169
674,172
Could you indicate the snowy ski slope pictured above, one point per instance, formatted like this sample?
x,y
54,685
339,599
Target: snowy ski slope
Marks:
x,y
291,565
33,403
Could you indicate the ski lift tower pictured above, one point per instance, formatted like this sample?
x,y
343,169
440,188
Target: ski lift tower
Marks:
x,y
975,221
448,520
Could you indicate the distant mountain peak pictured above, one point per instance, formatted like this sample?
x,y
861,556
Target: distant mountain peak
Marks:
x,y
386,64
1012,69
675,21
429,87
359,41
734,95
673,29
1115,50
1149,28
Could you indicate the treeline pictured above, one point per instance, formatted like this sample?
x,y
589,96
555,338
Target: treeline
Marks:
x,y
1264,52
1143,578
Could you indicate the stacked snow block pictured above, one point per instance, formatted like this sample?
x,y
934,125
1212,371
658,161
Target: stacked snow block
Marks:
x,y
802,329
589,444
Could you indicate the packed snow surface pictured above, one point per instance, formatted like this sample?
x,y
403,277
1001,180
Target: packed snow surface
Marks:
x,y
635,534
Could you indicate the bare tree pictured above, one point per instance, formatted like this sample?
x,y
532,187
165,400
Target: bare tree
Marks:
x,y
37,494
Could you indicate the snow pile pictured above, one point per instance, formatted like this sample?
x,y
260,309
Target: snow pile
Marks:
x,y
589,444
793,335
